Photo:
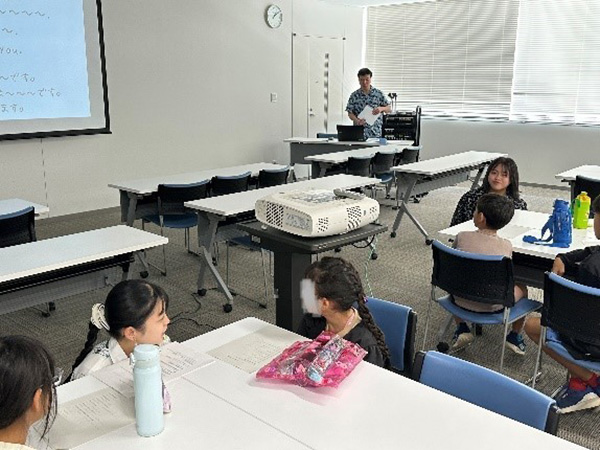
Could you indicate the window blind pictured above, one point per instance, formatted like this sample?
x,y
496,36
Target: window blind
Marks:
x,y
453,57
557,65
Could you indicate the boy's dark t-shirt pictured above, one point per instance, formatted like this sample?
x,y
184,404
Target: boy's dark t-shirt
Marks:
x,y
585,263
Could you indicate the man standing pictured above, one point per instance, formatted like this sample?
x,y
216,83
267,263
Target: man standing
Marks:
x,y
367,95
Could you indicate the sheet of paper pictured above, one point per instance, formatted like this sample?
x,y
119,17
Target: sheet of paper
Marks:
x,y
89,417
251,352
175,360
368,115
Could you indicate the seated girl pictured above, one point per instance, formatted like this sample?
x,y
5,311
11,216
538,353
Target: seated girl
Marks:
x,y
502,178
329,291
135,312
27,389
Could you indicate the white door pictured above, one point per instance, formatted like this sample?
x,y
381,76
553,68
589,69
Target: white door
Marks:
x,y
317,78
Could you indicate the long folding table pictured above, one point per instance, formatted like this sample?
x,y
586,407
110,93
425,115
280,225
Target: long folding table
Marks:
x,y
425,176
222,406
240,206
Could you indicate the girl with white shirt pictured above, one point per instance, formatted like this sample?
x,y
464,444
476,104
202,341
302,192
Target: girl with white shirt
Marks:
x,y
135,312
27,389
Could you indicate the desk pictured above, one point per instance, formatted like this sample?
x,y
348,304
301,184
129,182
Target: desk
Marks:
x,y
16,204
292,257
530,261
44,271
301,147
569,176
212,211
424,176
321,162
220,406
134,190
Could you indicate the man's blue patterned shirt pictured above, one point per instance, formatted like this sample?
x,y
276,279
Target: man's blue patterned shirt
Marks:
x,y
357,102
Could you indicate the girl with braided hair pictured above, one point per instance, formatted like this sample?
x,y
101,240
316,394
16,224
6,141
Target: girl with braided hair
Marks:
x,y
135,312
331,288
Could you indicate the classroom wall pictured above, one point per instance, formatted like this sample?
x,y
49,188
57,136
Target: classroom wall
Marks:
x,y
540,151
189,87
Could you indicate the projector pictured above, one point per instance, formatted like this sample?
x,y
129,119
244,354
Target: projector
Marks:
x,y
316,213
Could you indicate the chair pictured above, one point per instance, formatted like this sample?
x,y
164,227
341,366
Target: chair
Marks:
x,y
486,388
273,177
360,166
571,310
398,323
408,155
486,279
589,185
380,168
173,214
223,185
17,227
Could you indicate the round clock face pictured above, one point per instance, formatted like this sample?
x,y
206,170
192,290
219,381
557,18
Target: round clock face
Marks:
x,y
274,16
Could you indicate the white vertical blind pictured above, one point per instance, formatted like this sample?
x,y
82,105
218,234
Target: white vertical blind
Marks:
x,y
452,57
557,64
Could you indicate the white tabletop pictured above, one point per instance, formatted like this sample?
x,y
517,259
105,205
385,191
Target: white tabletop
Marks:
x,y
436,166
530,222
148,185
61,252
589,171
220,406
372,408
241,202
341,157
16,204
304,140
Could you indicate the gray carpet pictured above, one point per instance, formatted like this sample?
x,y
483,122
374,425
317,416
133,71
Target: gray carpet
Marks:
x,y
401,273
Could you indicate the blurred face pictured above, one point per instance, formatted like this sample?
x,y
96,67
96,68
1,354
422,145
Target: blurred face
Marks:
x,y
155,326
597,225
308,293
499,179
365,82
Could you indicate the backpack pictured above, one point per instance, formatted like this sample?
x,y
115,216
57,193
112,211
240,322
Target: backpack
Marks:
x,y
559,226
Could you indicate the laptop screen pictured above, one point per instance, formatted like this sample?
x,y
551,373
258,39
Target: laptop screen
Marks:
x,y
351,133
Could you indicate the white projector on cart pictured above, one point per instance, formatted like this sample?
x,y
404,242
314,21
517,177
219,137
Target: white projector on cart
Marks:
x,y
316,213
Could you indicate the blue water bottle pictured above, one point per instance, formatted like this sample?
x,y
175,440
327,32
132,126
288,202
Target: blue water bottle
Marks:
x,y
147,384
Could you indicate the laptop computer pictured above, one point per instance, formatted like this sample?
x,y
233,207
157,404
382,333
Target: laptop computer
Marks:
x,y
351,133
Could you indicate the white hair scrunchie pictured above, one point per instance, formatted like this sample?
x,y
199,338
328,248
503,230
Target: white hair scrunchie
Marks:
x,y
98,318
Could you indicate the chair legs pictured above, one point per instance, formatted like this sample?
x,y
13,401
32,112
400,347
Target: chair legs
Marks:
x,y
264,269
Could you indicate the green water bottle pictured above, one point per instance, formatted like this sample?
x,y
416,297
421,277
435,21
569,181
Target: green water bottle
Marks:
x,y
581,210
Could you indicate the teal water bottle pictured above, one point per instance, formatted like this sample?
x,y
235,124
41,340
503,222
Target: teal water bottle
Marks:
x,y
147,384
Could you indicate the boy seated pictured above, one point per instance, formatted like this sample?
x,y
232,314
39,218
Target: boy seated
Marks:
x,y
582,391
491,214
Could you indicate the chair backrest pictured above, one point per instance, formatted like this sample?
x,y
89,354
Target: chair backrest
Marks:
x,y
270,177
486,388
398,323
571,309
360,166
481,278
589,185
410,155
171,197
221,185
382,162
327,135
17,227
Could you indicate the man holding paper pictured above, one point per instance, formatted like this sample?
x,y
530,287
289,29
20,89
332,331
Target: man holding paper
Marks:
x,y
366,104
